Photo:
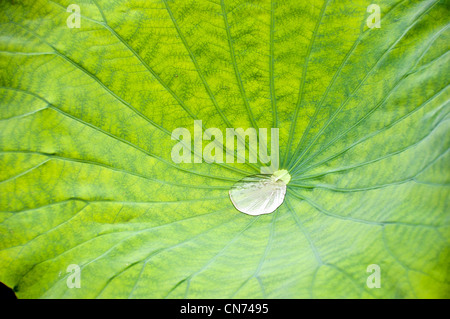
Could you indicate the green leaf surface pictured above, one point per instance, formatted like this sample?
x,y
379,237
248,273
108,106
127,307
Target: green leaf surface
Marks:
x,y
85,140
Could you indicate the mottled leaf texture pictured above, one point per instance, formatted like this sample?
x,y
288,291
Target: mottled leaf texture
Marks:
x,y
87,177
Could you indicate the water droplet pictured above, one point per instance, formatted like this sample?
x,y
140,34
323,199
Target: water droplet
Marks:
x,y
260,194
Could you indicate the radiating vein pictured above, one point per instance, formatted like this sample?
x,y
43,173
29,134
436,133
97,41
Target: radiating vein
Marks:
x,y
334,115
303,80
330,85
383,101
235,66
55,108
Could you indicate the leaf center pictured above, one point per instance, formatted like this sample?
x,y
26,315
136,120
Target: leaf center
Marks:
x,y
260,194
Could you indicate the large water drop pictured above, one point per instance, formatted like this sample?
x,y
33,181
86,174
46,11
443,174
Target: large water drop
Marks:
x,y
260,194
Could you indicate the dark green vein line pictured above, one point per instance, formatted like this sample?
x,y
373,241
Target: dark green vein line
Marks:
x,y
205,83
88,162
159,251
23,115
27,53
262,259
330,120
404,266
305,233
115,233
327,213
46,205
197,67
123,240
53,157
273,97
358,220
24,172
356,283
105,201
360,164
387,127
383,101
210,261
139,113
157,77
375,187
44,233
303,80
53,107
235,67
332,82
